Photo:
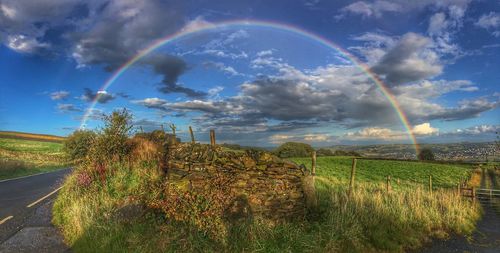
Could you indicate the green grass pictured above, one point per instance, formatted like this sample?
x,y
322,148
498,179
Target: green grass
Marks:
x,y
376,171
19,157
372,220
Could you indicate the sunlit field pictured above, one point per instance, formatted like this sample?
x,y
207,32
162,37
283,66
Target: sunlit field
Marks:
x,y
407,173
19,157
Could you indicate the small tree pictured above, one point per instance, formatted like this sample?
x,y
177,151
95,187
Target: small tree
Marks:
x,y
112,143
77,145
426,154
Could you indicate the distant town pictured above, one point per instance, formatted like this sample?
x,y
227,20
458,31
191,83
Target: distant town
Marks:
x,y
467,152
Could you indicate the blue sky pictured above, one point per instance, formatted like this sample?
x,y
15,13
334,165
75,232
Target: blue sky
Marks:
x,y
256,85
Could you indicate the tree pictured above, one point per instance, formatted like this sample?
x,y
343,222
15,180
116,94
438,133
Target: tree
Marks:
x,y
78,144
426,154
293,149
112,142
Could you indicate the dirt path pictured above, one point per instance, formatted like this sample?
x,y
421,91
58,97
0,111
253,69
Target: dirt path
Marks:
x,y
486,238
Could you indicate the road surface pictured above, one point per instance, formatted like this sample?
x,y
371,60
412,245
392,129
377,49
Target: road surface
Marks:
x,y
25,205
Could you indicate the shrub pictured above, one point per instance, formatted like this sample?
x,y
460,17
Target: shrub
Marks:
x,y
78,144
294,149
112,142
426,154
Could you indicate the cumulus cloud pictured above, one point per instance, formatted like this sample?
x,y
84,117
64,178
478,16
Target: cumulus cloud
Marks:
x,y
101,97
59,95
119,29
408,61
377,133
424,129
387,134
332,94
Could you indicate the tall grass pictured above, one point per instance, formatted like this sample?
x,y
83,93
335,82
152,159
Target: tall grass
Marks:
x,y
110,217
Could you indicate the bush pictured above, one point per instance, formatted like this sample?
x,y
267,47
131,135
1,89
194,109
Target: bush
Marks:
x,y
112,142
426,154
77,145
294,149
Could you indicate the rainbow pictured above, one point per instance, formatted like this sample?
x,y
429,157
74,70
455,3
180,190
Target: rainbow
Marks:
x,y
264,24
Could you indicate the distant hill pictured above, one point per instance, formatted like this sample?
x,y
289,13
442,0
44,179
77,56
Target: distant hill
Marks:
x,y
31,136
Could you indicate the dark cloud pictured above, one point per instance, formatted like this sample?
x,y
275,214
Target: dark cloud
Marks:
x,y
101,96
65,108
408,61
117,30
171,67
467,109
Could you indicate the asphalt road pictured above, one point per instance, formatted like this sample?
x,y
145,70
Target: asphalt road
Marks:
x,y
20,197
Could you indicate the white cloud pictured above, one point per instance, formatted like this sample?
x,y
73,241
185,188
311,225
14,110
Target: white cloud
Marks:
x,y
265,53
376,133
214,92
375,9
424,129
24,44
58,95
490,22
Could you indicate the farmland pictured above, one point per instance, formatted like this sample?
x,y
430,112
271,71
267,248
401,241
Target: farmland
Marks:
x,y
376,171
21,157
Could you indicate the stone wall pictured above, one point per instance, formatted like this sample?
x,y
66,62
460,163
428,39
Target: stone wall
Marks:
x,y
262,184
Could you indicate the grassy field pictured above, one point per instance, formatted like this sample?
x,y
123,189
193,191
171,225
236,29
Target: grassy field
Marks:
x,y
410,174
20,157
92,217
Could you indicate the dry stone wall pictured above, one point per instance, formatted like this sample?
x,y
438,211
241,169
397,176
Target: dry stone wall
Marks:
x,y
262,184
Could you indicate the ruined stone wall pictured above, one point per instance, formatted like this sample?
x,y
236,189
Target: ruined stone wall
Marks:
x,y
270,187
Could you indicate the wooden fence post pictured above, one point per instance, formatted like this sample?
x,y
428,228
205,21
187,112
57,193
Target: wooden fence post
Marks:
x,y
388,186
212,137
353,173
313,166
458,189
192,134
173,127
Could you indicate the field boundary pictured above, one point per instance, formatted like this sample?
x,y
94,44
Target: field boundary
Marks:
x,y
31,136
